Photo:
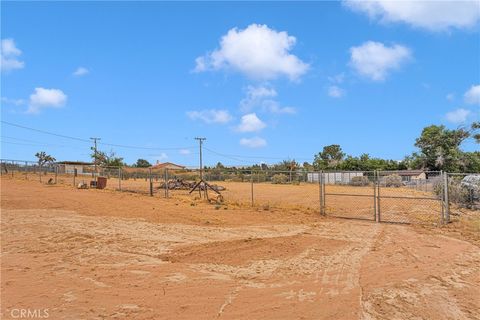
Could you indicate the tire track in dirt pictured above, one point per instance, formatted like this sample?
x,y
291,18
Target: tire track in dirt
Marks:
x,y
432,277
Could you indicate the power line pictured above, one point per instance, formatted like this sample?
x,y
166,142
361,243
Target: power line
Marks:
x,y
239,157
234,157
23,144
45,132
142,148
226,156
36,143
86,140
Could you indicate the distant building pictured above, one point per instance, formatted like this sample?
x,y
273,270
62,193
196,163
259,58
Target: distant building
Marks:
x,y
167,165
334,177
409,175
70,166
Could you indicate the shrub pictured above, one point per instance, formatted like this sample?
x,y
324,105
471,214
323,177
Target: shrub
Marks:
x,y
279,178
236,179
459,195
472,183
463,192
393,180
359,181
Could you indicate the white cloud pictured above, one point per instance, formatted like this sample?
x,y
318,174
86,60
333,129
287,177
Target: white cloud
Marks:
x,y
210,116
274,107
472,96
430,15
335,92
450,97
257,51
161,157
458,116
375,60
338,78
254,142
185,152
81,71
46,98
262,97
9,54
14,102
251,123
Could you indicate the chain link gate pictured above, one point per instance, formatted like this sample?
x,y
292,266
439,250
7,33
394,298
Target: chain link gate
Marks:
x,y
410,196
348,194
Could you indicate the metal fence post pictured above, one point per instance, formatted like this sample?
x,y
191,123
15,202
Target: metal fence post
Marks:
x,y
251,187
319,190
322,190
56,174
446,201
375,196
40,173
74,174
166,182
120,178
150,179
379,219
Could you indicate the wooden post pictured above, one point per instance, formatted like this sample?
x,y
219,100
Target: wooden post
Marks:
x,y
151,183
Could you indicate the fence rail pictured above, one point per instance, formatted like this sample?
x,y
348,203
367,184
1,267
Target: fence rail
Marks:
x,y
382,196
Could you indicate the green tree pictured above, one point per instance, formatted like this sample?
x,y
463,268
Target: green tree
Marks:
x,y
476,131
107,160
366,163
329,158
470,162
286,165
142,163
307,166
440,148
44,158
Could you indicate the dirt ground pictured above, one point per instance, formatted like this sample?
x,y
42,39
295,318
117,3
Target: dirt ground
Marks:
x,y
101,254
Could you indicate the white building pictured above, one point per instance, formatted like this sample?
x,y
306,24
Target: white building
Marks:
x,y
334,177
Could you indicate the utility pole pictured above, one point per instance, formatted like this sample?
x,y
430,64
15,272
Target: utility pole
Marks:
x,y
95,156
200,141
202,184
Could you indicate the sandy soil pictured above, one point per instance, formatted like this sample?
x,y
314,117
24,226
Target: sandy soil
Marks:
x,y
100,254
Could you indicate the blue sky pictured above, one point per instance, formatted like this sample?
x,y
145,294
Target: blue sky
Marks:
x,y
262,81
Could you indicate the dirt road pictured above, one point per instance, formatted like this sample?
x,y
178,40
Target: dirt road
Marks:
x,y
99,255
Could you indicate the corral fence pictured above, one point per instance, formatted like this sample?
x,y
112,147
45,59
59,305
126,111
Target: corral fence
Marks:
x,y
419,197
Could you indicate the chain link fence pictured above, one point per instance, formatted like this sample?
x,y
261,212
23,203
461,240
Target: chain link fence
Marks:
x,y
414,196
